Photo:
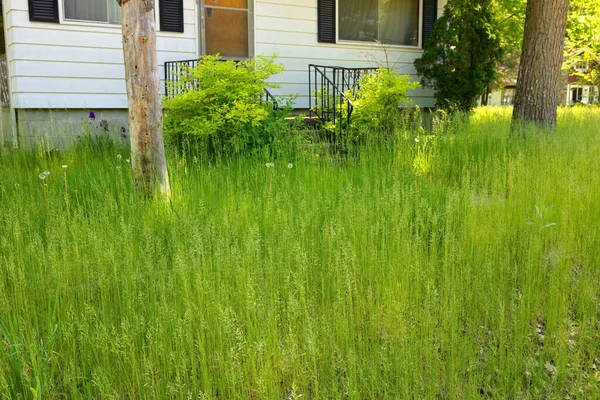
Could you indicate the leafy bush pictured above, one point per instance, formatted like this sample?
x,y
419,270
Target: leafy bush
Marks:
x,y
221,106
377,103
461,55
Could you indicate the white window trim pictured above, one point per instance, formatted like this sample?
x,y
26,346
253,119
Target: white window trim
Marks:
x,y
418,47
98,24
585,68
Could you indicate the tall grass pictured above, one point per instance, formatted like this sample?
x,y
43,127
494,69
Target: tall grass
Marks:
x,y
459,265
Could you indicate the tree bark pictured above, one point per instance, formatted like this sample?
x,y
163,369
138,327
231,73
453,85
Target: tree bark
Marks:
x,y
538,83
144,98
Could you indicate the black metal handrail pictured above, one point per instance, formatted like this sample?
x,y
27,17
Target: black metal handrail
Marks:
x,y
175,71
328,87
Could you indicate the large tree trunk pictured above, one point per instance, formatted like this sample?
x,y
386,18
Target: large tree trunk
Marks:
x,y
538,84
144,98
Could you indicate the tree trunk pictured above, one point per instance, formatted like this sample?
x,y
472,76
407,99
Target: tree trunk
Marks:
x,y
538,84
144,98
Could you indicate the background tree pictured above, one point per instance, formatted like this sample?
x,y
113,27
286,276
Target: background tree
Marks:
x,y
461,54
144,97
537,94
582,43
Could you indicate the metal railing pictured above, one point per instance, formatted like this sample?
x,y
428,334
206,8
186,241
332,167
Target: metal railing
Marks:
x,y
178,79
329,87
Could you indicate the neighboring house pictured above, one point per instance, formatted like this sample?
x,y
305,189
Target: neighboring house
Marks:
x,y
504,95
578,92
573,91
64,57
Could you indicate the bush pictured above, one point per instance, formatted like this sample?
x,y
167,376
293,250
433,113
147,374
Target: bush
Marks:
x,y
376,106
377,103
461,55
222,108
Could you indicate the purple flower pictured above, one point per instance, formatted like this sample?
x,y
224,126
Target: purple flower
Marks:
x,y
124,135
92,115
104,125
123,129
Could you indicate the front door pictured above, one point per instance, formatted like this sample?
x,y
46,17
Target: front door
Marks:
x,y
226,28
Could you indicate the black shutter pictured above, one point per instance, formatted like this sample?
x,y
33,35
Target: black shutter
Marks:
x,y
43,10
429,17
171,15
326,20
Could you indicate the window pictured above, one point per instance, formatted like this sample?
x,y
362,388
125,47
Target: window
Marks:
x,y
394,22
508,96
105,11
226,28
582,66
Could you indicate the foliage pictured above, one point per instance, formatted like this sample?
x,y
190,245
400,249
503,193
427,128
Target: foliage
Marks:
x,y
461,55
410,271
379,98
582,44
376,105
221,106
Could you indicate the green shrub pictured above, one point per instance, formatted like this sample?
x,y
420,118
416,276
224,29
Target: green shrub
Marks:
x,y
221,106
377,104
461,55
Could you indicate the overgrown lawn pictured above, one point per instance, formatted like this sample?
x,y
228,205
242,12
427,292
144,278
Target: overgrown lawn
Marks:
x,y
460,265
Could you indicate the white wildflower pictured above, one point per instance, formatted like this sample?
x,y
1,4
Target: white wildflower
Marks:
x,y
42,176
417,140
127,160
270,165
290,165
46,173
119,156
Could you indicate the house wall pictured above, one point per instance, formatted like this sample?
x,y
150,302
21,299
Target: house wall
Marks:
x,y
6,131
60,72
77,64
289,28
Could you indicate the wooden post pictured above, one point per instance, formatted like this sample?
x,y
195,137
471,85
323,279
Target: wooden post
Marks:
x,y
144,98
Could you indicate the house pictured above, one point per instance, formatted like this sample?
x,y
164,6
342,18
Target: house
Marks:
x,y
63,58
578,90
574,90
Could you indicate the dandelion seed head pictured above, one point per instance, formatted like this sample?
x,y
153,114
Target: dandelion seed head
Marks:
x,y
118,167
417,140
270,165
290,165
127,160
119,156
42,176
65,166
17,185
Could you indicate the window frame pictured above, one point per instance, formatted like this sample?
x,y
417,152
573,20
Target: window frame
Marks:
x,y
70,21
202,32
62,20
418,46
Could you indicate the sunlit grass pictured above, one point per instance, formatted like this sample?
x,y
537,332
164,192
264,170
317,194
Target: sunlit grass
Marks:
x,y
460,265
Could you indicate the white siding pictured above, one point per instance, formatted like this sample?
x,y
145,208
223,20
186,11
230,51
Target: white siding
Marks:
x,y
289,28
79,65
